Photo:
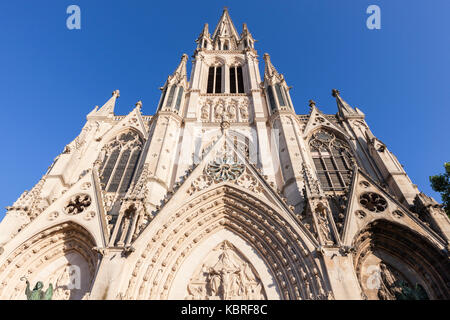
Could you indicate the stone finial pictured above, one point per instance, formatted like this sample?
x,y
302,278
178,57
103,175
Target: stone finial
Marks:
x,y
335,92
266,56
139,104
312,103
116,93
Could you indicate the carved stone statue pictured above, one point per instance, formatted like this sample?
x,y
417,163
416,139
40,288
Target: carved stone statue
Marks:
x,y
37,293
225,275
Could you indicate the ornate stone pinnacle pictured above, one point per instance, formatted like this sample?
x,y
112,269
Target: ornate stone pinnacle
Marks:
x,y
116,93
266,56
312,103
335,92
139,104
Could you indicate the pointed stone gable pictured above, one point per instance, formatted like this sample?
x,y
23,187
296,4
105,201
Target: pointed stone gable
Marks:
x,y
318,120
225,165
132,120
368,202
107,110
81,203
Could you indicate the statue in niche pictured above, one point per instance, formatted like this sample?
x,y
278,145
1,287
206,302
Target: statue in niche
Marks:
x,y
393,287
322,220
225,275
205,112
244,112
219,110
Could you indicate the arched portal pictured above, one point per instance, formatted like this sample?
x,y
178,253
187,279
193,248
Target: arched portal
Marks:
x,y
61,255
259,236
224,266
393,262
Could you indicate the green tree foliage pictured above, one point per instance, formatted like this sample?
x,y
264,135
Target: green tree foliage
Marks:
x,y
441,183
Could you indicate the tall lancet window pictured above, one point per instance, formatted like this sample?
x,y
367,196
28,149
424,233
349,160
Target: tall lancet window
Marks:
x,y
179,98
120,158
333,160
236,80
214,80
280,95
271,98
170,97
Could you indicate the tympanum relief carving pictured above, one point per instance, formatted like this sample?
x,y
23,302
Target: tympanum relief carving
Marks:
x,y
225,274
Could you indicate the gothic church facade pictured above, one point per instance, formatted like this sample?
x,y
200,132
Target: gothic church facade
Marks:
x,y
226,193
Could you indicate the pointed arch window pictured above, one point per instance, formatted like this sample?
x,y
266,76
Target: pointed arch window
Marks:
x,y
179,98
214,80
280,95
236,80
170,98
332,159
271,98
119,163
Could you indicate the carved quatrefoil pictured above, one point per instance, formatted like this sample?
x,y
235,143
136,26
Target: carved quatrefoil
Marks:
x,y
373,202
77,204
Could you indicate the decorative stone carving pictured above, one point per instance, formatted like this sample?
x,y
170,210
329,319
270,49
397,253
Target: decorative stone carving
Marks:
x,y
226,275
397,213
85,186
89,215
53,215
232,109
205,111
373,202
77,204
360,214
224,169
322,221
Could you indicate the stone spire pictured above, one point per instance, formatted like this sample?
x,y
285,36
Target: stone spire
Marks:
x,y
344,109
108,108
180,72
247,40
204,39
225,36
270,73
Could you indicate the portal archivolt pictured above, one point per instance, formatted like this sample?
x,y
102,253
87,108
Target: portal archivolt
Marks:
x,y
61,255
393,262
226,207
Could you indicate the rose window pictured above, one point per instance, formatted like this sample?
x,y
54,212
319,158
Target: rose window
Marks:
x,y
224,169
373,202
78,203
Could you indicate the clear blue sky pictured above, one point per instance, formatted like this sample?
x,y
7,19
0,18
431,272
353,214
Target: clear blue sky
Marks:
x,y
51,77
